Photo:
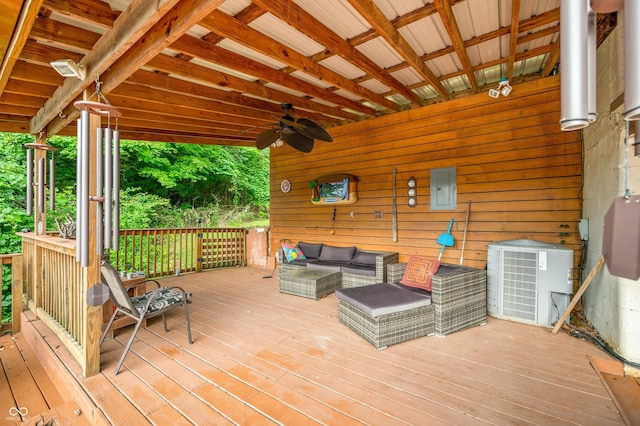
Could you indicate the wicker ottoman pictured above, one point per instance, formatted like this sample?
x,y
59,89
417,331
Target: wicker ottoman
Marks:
x,y
384,314
311,283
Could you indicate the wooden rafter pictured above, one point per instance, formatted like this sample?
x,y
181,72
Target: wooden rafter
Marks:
x,y
451,25
302,21
235,30
10,49
386,29
513,39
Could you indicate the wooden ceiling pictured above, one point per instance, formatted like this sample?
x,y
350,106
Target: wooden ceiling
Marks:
x,y
216,71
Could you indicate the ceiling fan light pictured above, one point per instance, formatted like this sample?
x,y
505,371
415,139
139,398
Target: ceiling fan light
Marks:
x,y
68,68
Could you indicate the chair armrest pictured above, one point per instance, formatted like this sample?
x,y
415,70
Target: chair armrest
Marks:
x,y
383,260
141,283
395,271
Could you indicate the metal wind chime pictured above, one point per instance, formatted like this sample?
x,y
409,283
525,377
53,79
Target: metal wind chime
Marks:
x,y
107,187
40,183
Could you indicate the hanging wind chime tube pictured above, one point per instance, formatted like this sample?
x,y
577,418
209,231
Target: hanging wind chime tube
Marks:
x,y
107,189
573,60
40,181
116,191
631,60
98,196
52,183
78,186
29,181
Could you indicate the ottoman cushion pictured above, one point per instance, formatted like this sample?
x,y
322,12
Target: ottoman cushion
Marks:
x,y
382,299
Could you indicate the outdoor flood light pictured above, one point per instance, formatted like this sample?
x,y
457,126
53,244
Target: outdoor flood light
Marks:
x,y
503,88
68,68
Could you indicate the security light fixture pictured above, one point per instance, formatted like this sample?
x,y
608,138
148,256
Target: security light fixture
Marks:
x,y
68,68
503,88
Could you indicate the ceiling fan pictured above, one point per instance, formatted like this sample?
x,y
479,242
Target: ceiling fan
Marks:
x,y
299,134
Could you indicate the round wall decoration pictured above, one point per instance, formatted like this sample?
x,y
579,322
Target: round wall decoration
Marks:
x,y
285,186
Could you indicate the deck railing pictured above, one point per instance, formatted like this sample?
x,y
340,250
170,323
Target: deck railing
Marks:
x,y
163,252
55,285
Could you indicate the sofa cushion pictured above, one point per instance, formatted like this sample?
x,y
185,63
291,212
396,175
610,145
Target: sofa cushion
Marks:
x,y
419,272
311,251
291,251
364,258
366,270
326,266
382,299
336,254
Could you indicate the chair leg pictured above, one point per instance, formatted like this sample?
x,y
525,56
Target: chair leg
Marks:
x,y
126,348
186,314
106,330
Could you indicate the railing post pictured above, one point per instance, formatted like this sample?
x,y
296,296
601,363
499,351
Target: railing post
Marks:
x,y
16,292
199,252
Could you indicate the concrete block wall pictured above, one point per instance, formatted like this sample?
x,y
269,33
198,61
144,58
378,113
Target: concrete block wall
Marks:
x,y
612,304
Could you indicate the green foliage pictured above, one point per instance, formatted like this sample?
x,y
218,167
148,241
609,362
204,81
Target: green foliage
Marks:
x,y
163,185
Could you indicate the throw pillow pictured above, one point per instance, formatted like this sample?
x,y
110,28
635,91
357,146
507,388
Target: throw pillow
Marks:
x,y
337,254
419,272
291,251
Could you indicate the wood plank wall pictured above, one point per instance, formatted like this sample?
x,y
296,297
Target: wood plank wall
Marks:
x,y
522,175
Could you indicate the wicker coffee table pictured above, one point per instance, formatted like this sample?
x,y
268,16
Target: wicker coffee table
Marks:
x,y
311,283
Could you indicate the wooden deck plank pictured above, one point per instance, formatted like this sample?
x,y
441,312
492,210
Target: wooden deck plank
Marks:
x,y
24,388
261,357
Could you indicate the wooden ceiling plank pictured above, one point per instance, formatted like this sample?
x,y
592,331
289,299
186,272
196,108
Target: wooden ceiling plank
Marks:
x,y
42,54
451,25
20,87
64,36
18,37
127,29
18,110
381,24
203,49
87,11
301,20
36,73
513,38
235,30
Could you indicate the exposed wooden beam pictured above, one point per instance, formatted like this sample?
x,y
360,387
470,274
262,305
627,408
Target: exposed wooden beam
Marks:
x,y
235,30
223,57
10,48
381,24
451,25
513,38
127,29
89,12
304,22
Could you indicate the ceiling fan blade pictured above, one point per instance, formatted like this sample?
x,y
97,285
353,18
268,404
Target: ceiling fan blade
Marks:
x,y
266,138
313,130
298,141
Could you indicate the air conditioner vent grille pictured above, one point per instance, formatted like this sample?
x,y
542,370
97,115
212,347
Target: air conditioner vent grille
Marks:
x,y
519,285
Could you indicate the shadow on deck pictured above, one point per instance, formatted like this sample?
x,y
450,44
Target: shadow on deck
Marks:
x,y
261,357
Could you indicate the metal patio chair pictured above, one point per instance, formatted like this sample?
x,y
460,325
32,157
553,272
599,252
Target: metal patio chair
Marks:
x,y
140,308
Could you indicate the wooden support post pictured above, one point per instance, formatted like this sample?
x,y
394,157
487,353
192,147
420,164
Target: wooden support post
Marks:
x,y
92,272
16,292
578,295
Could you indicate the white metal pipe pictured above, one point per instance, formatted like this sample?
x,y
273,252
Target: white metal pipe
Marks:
x,y
592,44
108,189
631,60
573,63
116,190
78,187
52,183
29,181
41,185
84,202
99,186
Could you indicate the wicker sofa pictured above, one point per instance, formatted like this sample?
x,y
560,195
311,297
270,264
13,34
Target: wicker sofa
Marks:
x,y
358,267
386,314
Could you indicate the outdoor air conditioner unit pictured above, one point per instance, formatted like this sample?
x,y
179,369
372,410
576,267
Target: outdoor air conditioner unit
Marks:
x,y
529,281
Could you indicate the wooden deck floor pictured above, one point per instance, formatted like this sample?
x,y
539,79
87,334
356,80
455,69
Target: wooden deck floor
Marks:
x,y
261,357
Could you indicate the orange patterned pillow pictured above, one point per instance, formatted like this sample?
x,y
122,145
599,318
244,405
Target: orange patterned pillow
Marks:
x,y
419,272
